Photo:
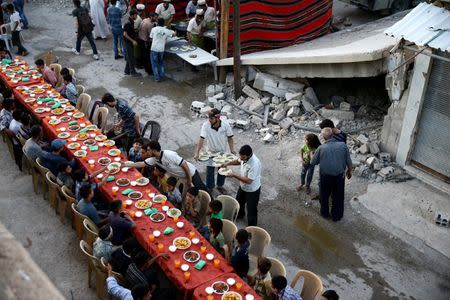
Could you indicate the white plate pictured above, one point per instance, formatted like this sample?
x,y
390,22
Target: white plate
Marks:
x,y
224,171
184,267
209,290
195,241
231,281
174,215
180,224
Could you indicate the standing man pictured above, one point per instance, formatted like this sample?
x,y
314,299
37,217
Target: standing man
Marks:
x,y
144,40
210,14
130,37
47,73
165,11
18,5
172,162
250,183
115,23
159,36
15,29
195,29
130,119
83,28
190,9
333,157
218,134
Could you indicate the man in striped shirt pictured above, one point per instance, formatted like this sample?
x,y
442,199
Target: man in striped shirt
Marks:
x,y
115,23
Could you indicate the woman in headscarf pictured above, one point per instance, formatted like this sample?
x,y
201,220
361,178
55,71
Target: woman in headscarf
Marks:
x,y
101,29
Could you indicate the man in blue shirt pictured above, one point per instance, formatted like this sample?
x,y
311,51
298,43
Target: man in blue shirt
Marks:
x,y
334,158
282,290
51,160
129,118
86,207
120,222
115,23
190,9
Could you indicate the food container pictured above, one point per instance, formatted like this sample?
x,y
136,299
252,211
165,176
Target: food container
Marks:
x,y
180,224
172,248
195,241
165,208
156,233
184,267
138,214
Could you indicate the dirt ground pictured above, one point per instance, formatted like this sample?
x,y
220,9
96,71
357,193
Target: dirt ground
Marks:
x,y
353,256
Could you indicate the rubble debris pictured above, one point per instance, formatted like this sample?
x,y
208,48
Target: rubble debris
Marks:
x,y
337,113
250,92
311,97
345,106
286,123
275,85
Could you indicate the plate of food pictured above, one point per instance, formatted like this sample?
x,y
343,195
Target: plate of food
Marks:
x,y
114,152
157,217
108,143
65,119
54,121
174,48
69,108
203,157
122,182
231,296
30,100
53,95
142,181
80,153
82,136
63,101
73,146
92,127
101,138
143,204
174,212
159,198
191,256
74,128
38,90
135,195
224,171
89,142
78,115
182,243
220,287
63,135
58,111
104,161
39,110
219,160
114,168
50,103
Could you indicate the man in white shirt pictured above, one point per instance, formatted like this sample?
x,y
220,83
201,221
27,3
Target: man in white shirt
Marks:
x,y
210,14
250,183
191,8
173,163
219,135
165,11
16,27
195,29
159,36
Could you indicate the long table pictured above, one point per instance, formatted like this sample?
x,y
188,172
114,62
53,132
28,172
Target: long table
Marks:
x,y
144,226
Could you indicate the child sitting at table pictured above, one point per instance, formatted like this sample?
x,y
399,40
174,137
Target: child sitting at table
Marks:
x,y
216,238
71,92
81,178
173,193
135,153
214,212
161,178
192,206
261,280
65,175
239,259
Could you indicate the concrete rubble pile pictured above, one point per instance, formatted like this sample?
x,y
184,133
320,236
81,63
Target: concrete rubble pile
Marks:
x,y
276,108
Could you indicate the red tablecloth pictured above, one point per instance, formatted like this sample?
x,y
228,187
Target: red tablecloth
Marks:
x,y
200,291
7,79
144,226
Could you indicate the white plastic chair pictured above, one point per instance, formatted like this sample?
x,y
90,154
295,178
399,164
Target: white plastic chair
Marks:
x,y
277,268
5,35
229,230
100,118
258,241
57,69
80,89
83,103
205,198
312,285
230,207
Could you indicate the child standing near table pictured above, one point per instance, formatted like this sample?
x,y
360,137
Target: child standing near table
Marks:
x,y
306,153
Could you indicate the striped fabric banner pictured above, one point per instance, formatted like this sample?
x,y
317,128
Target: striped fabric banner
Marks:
x,y
269,24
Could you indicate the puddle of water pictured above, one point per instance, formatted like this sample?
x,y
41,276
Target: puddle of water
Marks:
x,y
320,240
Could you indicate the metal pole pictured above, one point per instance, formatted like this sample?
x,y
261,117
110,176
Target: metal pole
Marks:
x,y
237,49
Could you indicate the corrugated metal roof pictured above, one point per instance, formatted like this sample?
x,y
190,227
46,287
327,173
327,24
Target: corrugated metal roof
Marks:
x,y
425,25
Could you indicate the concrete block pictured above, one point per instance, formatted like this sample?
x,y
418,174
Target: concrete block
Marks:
x,y
246,104
268,138
370,161
373,147
250,73
276,100
227,109
386,171
210,90
362,139
265,100
345,106
307,106
293,111
275,85
364,149
219,96
229,80
219,104
232,122
377,166
276,128
293,103
257,121
212,101
279,115
256,105
336,113
197,106
311,97
205,109
385,156
242,124
293,96
286,123
240,100
251,92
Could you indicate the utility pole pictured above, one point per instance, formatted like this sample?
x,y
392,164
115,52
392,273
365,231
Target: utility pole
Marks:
x,y
223,43
237,49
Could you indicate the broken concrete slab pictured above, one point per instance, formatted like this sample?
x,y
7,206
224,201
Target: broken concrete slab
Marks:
x,y
196,106
337,113
293,96
268,138
265,100
362,139
257,121
242,124
307,105
240,100
251,92
385,156
256,106
293,103
219,96
250,73
293,112
210,90
275,85
386,171
371,160
345,106
227,110
286,123
279,115
373,147
276,100
364,149
311,97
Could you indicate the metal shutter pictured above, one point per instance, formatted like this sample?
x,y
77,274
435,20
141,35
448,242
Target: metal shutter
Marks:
x,y
432,146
